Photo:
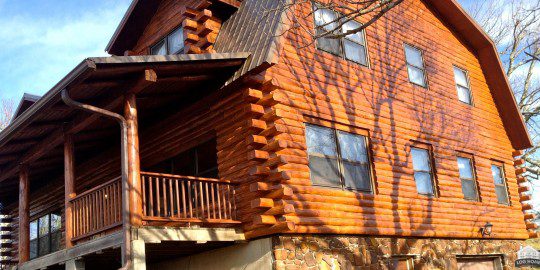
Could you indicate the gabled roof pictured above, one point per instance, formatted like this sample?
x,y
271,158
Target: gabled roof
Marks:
x,y
26,102
256,26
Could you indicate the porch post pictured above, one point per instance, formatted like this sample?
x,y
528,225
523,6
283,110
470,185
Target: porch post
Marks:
x,y
24,215
134,173
69,190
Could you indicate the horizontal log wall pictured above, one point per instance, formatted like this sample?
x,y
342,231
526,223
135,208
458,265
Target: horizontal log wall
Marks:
x,y
310,85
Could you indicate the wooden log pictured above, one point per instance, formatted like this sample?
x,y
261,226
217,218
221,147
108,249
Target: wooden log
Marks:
x,y
282,227
263,203
24,215
264,220
134,163
517,153
69,187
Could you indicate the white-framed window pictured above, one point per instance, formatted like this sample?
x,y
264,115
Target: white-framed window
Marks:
x,y
351,47
423,170
463,85
467,177
415,65
173,43
497,170
338,159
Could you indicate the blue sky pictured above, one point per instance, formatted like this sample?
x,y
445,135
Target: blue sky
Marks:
x,y
42,40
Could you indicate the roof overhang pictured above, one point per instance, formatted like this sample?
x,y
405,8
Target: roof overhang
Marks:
x,y
104,81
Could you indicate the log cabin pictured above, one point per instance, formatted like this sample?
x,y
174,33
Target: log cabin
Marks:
x,y
219,136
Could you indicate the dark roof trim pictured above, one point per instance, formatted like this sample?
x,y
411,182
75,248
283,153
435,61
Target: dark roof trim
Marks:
x,y
26,101
86,67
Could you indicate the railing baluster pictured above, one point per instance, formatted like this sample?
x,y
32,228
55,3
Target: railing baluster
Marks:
x,y
151,194
143,182
190,200
177,192
171,198
218,193
158,202
165,202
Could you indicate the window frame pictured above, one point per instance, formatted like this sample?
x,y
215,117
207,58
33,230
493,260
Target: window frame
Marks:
x,y
500,165
165,40
340,160
431,162
407,258
468,87
316,6
474,179
423,69
49,234
498,260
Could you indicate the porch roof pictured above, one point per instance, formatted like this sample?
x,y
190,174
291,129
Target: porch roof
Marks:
x,y
35,137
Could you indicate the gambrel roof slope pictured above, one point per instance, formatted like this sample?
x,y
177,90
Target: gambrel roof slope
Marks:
x,y
255,27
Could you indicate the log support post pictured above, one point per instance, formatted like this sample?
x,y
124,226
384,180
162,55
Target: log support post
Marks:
x,y
134,172
75,265
24,215
69,186
139,254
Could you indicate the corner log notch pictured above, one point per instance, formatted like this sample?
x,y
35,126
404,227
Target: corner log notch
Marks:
x,y
524,197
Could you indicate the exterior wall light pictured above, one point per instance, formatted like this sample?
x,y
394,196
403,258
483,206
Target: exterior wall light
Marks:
x,y
487,229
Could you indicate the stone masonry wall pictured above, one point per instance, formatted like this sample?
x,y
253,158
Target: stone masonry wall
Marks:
x,y
357,252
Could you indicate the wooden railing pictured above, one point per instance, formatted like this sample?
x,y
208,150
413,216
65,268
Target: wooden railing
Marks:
x,y
97,210
186,199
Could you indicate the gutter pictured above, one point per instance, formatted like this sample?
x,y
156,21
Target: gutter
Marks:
x,y
126,245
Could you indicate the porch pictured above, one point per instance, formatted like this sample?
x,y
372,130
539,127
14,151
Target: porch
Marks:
x,y
67,165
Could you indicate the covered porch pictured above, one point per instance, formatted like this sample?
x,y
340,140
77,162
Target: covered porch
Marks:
x,y
61,155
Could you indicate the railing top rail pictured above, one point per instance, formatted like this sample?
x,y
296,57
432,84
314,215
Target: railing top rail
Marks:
x,y
97,188
172,176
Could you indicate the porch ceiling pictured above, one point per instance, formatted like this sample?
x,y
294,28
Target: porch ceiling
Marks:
x,y
36,136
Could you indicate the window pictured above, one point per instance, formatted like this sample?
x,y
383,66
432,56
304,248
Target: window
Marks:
x,y
500,184
479,263
463,86
171,44
468,181
402,263
352,47
45,235
423,172
338,159
415,65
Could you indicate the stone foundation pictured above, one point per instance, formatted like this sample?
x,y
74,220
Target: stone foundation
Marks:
x,y
357,252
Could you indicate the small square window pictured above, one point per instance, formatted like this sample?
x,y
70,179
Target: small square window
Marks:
x,y
159,49
463,85
415,65
173,43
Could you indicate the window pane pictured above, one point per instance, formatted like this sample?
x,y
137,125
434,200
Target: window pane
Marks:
x,y
56,241
502,194
423,183
402,264
496,171
44,245
414,56
420,159
324,171
176,41
159,49
56,222
44,225
356,176
33,230
461,77
464,94
325,18
329,45
33,248
356,37
353,147
321,140
355,52
416,75
465,168
469,189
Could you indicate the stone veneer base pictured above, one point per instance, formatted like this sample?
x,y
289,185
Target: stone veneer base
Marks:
x,y
364,252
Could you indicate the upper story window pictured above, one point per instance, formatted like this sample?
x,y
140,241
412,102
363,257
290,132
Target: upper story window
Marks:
x,y
500,183
352,47
468,179
463,85
338,159
45,235
423,171
415,65
173,43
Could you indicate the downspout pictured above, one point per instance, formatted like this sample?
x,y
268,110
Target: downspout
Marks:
x,y
126,246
